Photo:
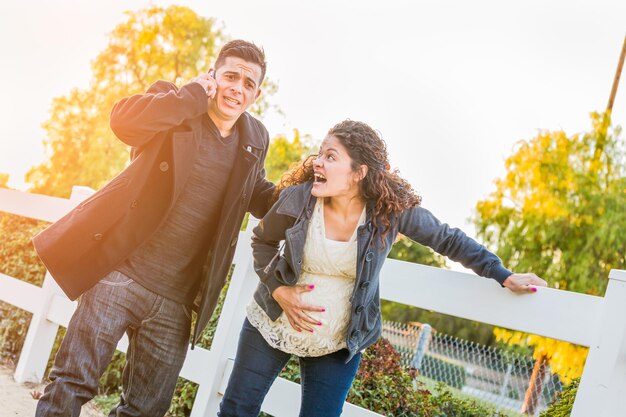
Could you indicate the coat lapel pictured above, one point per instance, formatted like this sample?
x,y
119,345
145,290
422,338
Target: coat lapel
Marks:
x,y
184,149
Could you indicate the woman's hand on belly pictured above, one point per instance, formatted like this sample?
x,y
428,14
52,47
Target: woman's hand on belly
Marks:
x,y
297,311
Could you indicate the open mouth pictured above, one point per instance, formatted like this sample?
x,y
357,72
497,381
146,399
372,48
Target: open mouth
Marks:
x,y
319,178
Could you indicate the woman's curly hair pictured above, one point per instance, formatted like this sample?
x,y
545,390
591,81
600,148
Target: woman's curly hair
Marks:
x,y
389,192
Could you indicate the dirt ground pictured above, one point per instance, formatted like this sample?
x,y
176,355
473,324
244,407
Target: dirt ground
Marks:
x,y
17,400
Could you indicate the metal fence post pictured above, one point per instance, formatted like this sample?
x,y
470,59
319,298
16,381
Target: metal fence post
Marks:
x,y
422,346
507,379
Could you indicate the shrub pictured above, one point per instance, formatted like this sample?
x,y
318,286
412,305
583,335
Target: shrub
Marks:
x,y
562,405
384,386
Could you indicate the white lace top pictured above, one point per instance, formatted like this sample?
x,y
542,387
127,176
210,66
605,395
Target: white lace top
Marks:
x,y
330,266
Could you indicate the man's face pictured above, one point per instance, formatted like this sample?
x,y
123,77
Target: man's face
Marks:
x,y
237,88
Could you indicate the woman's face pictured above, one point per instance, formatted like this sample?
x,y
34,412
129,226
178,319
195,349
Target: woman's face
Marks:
x,y
334,176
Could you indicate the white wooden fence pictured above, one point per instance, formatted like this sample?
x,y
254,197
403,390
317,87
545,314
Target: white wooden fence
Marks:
x,y
596,322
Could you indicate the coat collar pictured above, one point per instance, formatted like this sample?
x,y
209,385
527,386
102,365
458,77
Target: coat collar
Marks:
x,y
250,133
299,195
248,130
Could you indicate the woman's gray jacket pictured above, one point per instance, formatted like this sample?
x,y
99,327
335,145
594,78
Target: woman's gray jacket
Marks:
x,y
288,220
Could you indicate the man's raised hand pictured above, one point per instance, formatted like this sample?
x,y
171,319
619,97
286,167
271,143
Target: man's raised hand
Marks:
x,y
207,82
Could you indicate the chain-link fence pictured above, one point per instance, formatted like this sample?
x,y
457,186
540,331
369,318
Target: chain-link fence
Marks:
x,y
509,381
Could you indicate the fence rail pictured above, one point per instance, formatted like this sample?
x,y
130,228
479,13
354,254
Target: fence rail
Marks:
x,y
596,322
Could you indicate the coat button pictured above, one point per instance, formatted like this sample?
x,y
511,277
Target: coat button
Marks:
x,y
233,242
359,309
164,166
97,236
299,261
133,204
365,284
369,256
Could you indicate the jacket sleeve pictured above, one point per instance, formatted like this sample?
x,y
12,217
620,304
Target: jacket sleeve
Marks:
x,y
137,119
261,199
424,228
266,237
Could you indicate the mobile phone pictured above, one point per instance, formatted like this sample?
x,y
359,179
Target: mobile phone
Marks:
x,y
212,73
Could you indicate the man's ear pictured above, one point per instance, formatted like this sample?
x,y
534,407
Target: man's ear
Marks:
x,y
258,93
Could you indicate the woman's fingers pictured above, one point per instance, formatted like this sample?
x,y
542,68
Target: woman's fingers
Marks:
x,y
295,310
300,320
524,283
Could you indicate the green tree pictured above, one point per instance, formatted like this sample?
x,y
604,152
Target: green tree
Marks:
x,y
559,210
283,153
173,44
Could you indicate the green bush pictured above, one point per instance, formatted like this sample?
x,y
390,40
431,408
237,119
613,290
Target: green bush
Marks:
x,y
562,405
384,386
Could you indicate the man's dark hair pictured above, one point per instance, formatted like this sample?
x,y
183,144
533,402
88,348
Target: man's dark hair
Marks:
x,y
245,50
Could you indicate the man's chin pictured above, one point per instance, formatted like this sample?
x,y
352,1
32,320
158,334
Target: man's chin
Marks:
x,y
231,110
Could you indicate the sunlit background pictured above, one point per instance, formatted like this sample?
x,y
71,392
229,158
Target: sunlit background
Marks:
x,y
452,85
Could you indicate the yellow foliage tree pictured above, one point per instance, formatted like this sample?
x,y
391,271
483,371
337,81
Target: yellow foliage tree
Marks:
x,y
284,152
565,359
559,210
173,44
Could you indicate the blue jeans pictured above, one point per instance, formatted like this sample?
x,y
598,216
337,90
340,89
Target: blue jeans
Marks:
x,y
158,331
325,380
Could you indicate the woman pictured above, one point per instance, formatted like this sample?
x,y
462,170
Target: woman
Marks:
x,y
338,214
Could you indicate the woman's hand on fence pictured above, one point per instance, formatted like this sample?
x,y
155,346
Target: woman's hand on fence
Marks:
x,y
288,297
524,282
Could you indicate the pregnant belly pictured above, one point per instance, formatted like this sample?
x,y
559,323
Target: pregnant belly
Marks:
x,y
333,294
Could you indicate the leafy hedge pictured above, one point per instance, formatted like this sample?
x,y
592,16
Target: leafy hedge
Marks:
x,y
384,386
562,405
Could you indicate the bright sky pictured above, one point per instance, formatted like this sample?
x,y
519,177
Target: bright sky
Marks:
x,y
451,84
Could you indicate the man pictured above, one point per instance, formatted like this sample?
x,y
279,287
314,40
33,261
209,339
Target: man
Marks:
x,y
160,237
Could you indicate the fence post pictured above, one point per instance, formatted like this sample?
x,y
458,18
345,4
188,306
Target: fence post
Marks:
x,y
224,345
39,339
41,332
507,380
422,346
602,389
